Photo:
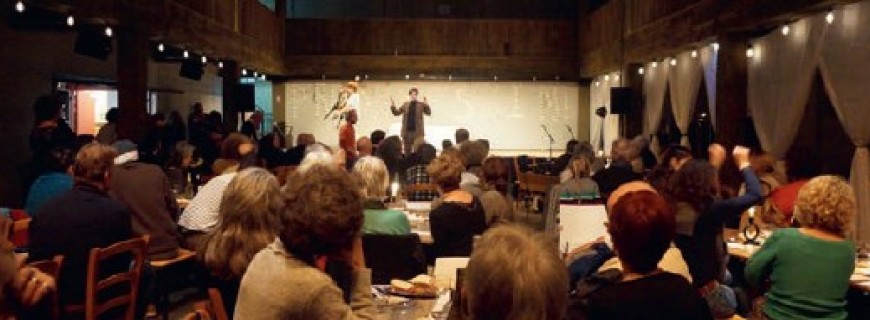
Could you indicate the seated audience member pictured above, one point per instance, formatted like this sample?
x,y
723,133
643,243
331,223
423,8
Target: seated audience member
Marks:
x,y
179,165
619,171
641,226
248,222
473,153
764,166
645,154
701,214
316,268
416,174
318,156
598,255
108,133
498,284
49,130
235,149
146,192
461,136
493,197
297,153
801,165
378,219
446,144
809,267
390,150
22,288
364,147
271,149
54,181
576,179
376,137
460,216
672,159
201,214
79,220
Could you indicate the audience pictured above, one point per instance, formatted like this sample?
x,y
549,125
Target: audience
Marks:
x,y
446,144
417,174
23,289
376,137
515,273
561,163
49,131
295,154
55,179
364,147
701,215
809,268
316,268
461,136
672,159
201,214
145,190
372,172
235,149
801,165
460,216
619,171
108,133
79,220
576,179
390,150
641,226
248,221
473,153
493,194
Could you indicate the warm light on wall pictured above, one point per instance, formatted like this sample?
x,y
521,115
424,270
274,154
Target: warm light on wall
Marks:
x,y
785,30
830,17
750,52
640,71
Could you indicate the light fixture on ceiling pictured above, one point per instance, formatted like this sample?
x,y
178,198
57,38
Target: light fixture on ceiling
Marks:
x,y
204,59
109,31
640,71
220,64
673,61
244,72
785,30
186,54
19,6
694,53
616,77
655,64
750,52
830,16
715,46
161,47
606,77
70,20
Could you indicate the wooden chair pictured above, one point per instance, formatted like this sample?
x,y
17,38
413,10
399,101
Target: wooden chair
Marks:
x,y
95,285
539,185
161,269
212,309
51,268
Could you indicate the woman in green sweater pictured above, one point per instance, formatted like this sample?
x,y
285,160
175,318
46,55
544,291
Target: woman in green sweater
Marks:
x,y
809,267
378,219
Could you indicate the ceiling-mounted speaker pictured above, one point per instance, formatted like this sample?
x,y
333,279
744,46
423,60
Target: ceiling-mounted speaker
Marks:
x,y
191,69
93,42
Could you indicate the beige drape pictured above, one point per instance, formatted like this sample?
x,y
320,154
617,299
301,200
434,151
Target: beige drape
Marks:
x,y
709,61
684,80
655,82
844,64
780,78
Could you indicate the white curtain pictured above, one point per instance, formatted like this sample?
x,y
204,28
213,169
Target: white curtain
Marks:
x,y
780,79
684,80
600,97
709,61
844,64
655,82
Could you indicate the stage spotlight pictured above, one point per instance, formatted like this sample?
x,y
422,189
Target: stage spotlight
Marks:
x,y
640,71
244,72
161,47
19,6
750,52
694,53
186,54
785,30
220,64
109,31
204,60
829,18
70,20
715,46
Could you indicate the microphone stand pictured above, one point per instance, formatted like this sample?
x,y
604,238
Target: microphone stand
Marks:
x,y
571,132
551,140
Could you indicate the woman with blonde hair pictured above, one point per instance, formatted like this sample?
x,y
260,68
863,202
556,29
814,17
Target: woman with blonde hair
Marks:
x,y
248,222
498,282
378,219
792,258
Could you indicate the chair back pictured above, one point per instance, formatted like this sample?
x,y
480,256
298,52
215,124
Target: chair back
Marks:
x,y
218,310
393,256
539,183
135,248
51,268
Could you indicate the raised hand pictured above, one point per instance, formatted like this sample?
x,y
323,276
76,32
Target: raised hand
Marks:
x,y
741,156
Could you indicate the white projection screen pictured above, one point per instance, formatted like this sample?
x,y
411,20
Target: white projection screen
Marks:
x,y
509,114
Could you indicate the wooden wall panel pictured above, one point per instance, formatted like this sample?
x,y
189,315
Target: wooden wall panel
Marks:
x,y
527,38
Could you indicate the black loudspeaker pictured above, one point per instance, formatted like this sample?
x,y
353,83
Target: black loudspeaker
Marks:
x,y
620,100
93,42
245,97
191,69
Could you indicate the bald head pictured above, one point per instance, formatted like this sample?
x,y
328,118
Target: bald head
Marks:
x,y
364,146
626,188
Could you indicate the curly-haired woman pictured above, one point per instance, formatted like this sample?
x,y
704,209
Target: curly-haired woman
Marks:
x,y
809,267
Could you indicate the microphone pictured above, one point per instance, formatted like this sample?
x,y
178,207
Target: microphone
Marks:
x,y
543,126
570,131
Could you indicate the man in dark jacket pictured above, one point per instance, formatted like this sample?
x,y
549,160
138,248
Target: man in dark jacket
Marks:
x,y
146,192
79,220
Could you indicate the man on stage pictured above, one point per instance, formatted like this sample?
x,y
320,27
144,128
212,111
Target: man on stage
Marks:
x,y
412,119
